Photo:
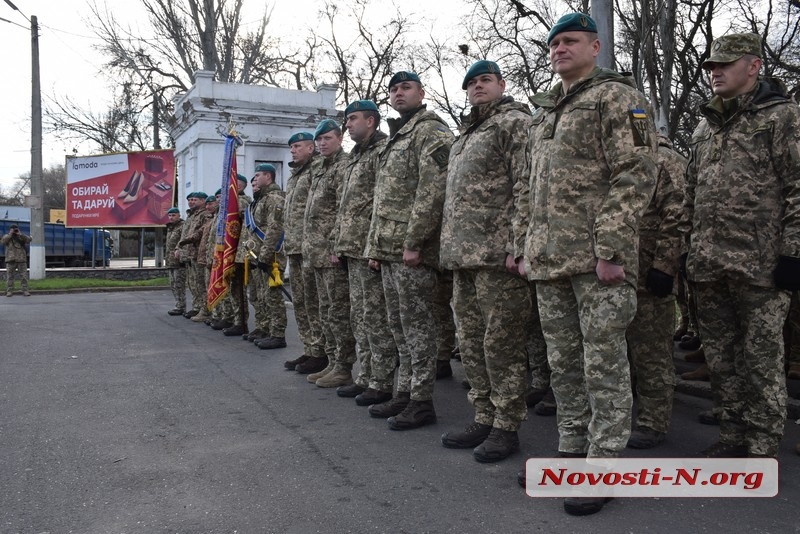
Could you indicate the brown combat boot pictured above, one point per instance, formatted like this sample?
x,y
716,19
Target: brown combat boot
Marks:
x,y
313,377
416,414
469,438
391,407
338,376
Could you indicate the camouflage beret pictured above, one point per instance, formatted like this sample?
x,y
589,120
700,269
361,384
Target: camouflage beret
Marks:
x,y
242,178
481,67
266,167
360,105
325,126
173,210
301,136
574,22
404,76
730,48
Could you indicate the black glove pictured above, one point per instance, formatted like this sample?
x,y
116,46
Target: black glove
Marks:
x,y
265,267
659,283
787,273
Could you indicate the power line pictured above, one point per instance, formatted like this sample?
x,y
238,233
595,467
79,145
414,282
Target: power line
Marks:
x,y
15,8
14,23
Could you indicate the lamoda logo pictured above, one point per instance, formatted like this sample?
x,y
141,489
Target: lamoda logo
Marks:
x,y
77,166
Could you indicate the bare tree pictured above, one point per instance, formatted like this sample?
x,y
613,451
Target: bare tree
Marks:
x,y
54,180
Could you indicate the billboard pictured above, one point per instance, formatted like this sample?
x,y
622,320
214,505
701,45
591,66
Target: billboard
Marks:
x,y
119,190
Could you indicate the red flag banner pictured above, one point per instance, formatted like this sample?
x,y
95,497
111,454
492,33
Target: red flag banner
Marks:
x,y
228,227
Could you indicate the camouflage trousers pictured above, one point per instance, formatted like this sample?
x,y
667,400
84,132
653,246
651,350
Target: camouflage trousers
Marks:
x,y
584,325
270,307
333,289
409,307
297,285
650,347
443,315
317,345
792,331
536,347
375,347
14,269
238,296
255,288
741,328
177,282
493,309
195,279
687,303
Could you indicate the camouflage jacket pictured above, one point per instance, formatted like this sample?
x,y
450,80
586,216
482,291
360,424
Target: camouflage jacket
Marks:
x,y
241,249
324,195
189,235
593,172
295,210
409,189
211,239
15,247
171,243
742,202
659,238
486,161
206,228
355,209
268,216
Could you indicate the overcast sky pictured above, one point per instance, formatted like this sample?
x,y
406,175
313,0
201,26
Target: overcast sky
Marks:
x,y
69,65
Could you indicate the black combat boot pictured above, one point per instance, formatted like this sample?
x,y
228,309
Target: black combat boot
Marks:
x,y
443,369
416,414
499,445
291,364
469,438
312,365
391,407
350,391
373,396
269,343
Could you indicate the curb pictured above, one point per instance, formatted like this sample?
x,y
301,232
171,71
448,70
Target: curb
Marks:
x,y
94,290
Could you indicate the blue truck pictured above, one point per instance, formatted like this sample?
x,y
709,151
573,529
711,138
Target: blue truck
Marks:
x,y
66,247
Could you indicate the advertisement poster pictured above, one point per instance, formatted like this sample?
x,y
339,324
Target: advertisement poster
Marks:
x,y
118,190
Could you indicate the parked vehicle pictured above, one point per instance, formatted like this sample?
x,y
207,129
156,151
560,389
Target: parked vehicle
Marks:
x,y
66,247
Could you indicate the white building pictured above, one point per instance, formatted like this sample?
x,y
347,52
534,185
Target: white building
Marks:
x,y
264,117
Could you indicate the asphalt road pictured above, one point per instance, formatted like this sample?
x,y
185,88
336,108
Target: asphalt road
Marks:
x,y
117,418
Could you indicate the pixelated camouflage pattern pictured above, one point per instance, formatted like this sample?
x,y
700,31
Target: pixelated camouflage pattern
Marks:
x,y
318,343
443,316
206,228
15,248
592,175
536,347
241,249
742,201
174,230
177,283
324,195
333,288
493,308
486,161
268,216
189,232
355,208
295,211
741,326
409,190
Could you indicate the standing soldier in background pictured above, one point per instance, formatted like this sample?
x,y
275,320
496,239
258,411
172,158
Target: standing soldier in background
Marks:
x,y
650,333
324,195
742,209
188,252
207,219
592,150
177,271
492,305
403,242
375,347
306,312
268,234
237,293
255,280
16,259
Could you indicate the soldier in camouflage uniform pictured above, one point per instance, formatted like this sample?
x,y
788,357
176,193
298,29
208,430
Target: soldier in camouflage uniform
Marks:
x,y
268,217
187,250
177,271
255,279
333,287
445,323
742,209
649,336
16,259
222,314
303,283
592,149
206,222
492,305
237,295
403,242
374,341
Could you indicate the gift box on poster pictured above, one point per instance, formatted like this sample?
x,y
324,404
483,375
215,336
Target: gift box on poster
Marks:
x,y
159,200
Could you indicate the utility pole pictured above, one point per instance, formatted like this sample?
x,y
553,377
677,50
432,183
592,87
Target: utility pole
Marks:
x,y
603,15
34,201
159,232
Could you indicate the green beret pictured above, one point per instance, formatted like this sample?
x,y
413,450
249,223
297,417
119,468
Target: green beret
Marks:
x,y
210,199
301,136
325,126
218,193
173,210
266,167
574,22
360,105
190,195
481,67
200,195
730,48
242,178
404,76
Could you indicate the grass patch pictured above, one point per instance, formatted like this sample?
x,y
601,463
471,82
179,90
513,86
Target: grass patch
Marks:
x,y
82,283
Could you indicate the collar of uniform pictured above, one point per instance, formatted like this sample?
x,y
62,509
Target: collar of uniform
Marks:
x,y
396,125
481,112
376,137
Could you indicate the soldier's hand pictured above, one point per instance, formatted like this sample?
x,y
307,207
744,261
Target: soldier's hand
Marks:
x,y
511,264
610,273
659,283
521,268
375,265
411,258
335,260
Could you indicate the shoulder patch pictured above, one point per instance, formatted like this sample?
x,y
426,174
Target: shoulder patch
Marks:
x,y
441,156
640,128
